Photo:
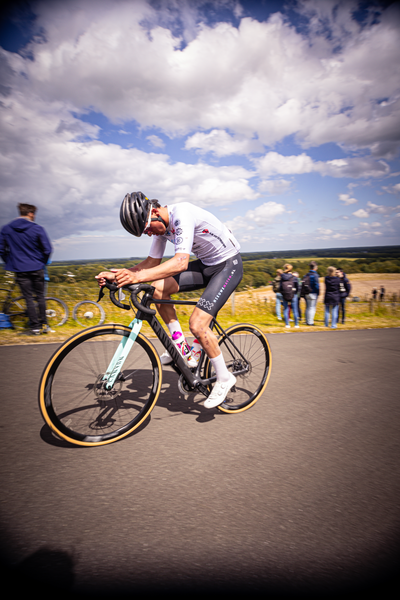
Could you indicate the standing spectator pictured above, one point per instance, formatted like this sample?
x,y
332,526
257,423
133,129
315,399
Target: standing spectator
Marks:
x,y
295,274
374,293
382,294
310,291
345,288
276,285
289,289
332,297
25,249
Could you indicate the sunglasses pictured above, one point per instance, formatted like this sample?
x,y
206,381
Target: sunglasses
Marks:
x,y
148,224
150,220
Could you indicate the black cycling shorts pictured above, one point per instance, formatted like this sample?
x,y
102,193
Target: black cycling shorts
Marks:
x,y
219,280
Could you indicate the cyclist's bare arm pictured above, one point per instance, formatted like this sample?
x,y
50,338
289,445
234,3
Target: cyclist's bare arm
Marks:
x,y
150,269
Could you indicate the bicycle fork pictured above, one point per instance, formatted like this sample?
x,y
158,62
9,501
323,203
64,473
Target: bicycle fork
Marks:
x,y
124,347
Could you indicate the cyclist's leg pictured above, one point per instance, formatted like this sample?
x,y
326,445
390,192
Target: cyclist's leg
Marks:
x,y
164,288
191,279
222,282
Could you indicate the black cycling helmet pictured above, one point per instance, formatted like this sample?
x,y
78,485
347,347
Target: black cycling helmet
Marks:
x,y
133,214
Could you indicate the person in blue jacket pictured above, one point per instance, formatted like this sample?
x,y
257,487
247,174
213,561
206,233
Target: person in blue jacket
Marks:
x,y
25,249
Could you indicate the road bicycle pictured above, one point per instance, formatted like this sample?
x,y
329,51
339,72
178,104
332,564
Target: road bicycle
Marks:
x,y
103,382
15,309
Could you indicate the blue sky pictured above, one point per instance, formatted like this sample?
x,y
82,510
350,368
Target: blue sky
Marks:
x,y
281,118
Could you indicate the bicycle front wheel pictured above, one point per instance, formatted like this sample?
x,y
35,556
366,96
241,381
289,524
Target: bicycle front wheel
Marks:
x,y
88,313
73,399
248,356
56,312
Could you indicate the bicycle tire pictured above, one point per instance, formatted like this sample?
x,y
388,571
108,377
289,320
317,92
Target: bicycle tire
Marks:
x,y
253,345
56,312
72,397
83,313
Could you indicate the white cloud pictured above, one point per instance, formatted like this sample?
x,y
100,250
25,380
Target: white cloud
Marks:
x,y
361,214
392,189
231,91
260,217
79,185
225,77
273,163
274,187
155,141
347,200
220,143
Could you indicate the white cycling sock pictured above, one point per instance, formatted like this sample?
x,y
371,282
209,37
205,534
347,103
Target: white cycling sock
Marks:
x,y
174,326
220,369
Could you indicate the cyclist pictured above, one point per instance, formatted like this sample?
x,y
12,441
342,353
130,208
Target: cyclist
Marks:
x,y
218,268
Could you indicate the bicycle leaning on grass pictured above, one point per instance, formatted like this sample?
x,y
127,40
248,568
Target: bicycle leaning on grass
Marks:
x,y
85,312
15,308
103,382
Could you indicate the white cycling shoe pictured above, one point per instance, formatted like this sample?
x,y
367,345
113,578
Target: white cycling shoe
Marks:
x,y
220,392
166,359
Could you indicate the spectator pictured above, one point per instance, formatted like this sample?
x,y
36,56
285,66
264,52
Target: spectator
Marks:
x,y
276,284
289,289
382,294
332,297
310,291
25,249
374,293
295,274
345,288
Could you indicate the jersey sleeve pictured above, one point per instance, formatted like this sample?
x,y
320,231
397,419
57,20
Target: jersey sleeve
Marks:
x,y
157,247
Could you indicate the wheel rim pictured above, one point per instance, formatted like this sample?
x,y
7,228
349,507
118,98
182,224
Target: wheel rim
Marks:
x,y
89,313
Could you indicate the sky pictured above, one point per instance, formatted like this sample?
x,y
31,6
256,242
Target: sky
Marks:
x,y
280,118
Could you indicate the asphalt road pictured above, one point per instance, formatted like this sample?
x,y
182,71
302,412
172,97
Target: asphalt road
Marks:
x,y
298,495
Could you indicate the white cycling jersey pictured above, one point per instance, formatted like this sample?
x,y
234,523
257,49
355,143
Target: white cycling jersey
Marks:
x,y
194,230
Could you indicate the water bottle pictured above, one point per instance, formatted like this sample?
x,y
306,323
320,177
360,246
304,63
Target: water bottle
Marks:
x,y
196,350
183,347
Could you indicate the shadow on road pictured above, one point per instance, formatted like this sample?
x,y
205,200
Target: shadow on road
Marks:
x,y
171,399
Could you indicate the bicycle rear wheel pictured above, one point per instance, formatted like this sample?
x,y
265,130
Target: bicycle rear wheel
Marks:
x,y
88,313
248,357
56,312
72,395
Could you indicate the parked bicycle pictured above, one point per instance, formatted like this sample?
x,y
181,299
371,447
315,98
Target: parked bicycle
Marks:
x,y
103,382
86,312
15,308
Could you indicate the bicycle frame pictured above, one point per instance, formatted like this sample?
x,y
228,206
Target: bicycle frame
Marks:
x,y
192,376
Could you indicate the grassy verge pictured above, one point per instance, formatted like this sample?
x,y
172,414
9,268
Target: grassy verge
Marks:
x,y
248,308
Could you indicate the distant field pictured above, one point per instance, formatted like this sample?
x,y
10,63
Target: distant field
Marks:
x,y
362,284
337,259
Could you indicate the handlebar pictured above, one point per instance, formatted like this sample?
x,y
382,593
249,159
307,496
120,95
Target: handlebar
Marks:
x,y
134,290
